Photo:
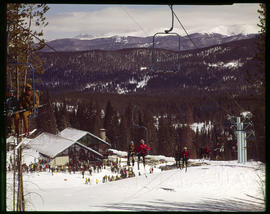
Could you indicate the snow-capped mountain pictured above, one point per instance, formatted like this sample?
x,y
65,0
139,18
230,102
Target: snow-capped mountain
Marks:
x,y
85,42
85,36
232,30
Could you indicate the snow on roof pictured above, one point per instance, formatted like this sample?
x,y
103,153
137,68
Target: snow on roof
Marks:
x,y
72,134
76,134
49,144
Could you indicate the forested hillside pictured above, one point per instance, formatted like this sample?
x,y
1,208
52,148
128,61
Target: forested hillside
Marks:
x,y
213,69
169,119
98,89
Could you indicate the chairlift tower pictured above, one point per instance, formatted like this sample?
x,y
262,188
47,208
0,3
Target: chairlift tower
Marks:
x,y
242,129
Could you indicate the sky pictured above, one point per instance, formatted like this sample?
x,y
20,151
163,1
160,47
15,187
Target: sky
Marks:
x,y
68,21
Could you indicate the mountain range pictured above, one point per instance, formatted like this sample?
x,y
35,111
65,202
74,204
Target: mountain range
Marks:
x,y
132,70
84,42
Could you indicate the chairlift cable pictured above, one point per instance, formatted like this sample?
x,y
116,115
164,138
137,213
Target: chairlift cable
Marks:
x,y
133,19
137,126
184,30
198,48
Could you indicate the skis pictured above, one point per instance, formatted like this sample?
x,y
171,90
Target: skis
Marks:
x,y
9,114
140,171
183,165
22,135
145,172
30,133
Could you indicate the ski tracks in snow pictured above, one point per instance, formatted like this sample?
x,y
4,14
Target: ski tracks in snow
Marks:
x,y
155,182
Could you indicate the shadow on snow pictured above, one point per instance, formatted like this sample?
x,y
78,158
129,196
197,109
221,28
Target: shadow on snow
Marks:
x,y
227,205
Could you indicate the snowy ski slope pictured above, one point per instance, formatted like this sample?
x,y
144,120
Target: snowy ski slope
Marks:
x,y
213,186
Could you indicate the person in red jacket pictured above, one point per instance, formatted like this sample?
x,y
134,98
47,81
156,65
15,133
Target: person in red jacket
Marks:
x,y
142,151
185,156
206,155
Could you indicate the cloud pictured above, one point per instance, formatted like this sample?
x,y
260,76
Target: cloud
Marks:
x,y
147,20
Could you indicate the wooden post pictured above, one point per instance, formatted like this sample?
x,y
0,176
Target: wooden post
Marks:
x,y
14,176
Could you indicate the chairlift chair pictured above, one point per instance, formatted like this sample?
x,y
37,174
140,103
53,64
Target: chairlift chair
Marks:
x,y
166,32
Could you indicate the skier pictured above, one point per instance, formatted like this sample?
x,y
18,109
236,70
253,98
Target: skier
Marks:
x,y
11,102
131,153
177,157
11,107
185,156
218,151
26,102
206,152
201,152
142,151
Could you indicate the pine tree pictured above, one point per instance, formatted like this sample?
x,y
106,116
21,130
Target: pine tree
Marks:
x,y
128,123
259,111
189,133
165,141
111,124
148,122
87,122
109,111
21,19
46,119
123,134
62,119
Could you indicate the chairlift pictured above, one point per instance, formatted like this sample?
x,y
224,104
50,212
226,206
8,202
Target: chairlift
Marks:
x,y
166,32
14,61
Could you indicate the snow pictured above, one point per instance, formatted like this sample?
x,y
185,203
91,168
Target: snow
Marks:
x,y
211,186
143,82
198,126
231,64
76,134
119,39
121,90
72,134
49,144
145,45
230,30
246,114
229,78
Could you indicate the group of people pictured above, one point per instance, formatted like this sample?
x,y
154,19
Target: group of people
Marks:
x,y
141,151
25,105
204,152
181,155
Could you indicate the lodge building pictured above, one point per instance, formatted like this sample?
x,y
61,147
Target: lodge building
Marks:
x,y
70,146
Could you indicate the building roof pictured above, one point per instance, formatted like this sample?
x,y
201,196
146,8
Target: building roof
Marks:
x,y
49,144
76,134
